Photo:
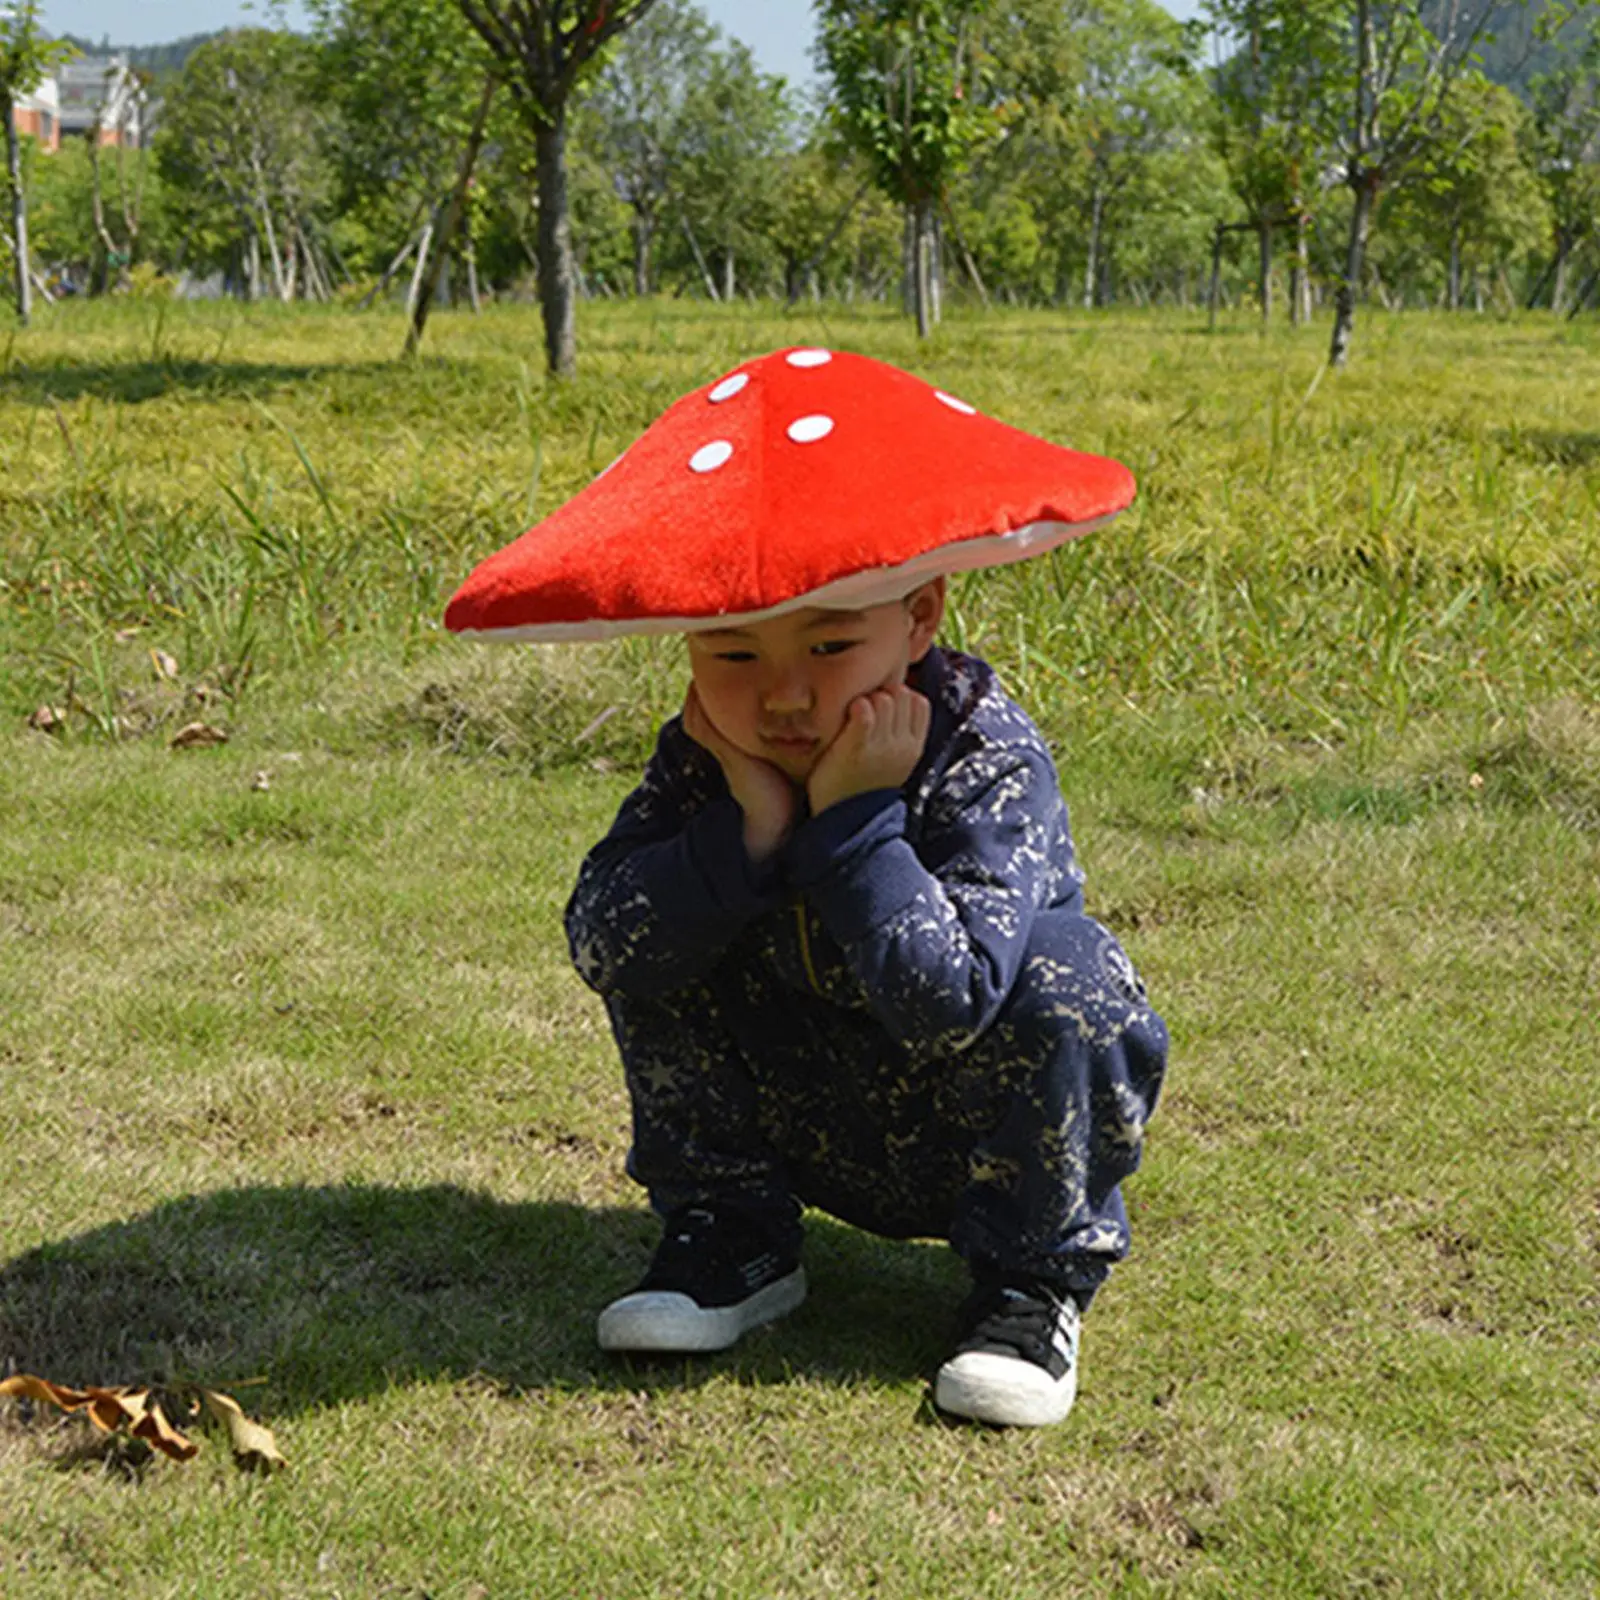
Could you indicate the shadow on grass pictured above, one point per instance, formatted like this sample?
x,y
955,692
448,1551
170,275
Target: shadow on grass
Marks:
x,y
134,382
1553,447
330,1294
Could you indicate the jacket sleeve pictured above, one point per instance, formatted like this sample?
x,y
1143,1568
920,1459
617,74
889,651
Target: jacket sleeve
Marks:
x,y
670,886
936,933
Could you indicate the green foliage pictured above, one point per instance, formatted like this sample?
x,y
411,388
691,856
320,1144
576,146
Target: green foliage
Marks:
x,y
907,88
27,53
403,79
240,145
61,212
1279,68
1475,199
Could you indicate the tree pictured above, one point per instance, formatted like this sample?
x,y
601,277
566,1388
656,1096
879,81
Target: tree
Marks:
x,y
1136,93
241,147
1278,57
1475,198
641,103
405,79
546,48
737,128
1404,62
1566,141
1100,170
906,93
127,96
26,57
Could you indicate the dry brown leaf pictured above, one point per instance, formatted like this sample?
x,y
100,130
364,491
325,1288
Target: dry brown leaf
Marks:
x,y
110,1410
27,1387
165,666
197,735
253,1444
155,1430
47,720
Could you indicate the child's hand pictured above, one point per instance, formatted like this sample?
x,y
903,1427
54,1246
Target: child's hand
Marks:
x,y
767,798
882,740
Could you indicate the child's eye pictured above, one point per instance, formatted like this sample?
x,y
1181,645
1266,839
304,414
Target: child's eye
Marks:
x,y
736,655
833,647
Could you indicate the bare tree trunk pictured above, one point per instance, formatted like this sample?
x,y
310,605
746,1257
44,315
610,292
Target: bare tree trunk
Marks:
x,y
1213,294
1558,295
643,227
971,266
1264,267
557,273
1453,273
19,211
470,251
1091,271
729,288
453,211
424,247
1363,181
252,266
100,271
709,283
1581,299
389,271
908,262
1300,274
1344,309
923,274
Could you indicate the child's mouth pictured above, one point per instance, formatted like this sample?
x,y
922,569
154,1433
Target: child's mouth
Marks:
x,y
790,743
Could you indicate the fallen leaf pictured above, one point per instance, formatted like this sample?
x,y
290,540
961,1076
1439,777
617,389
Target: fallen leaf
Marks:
x,y
47,720
165,666
155,1430
110,1410
254,1448
261,782
27,1387
197,735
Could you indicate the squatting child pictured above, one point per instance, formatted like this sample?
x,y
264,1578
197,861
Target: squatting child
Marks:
x,y
840,935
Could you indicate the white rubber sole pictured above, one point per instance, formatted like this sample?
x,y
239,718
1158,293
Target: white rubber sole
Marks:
x,y
663,1323
1004,1390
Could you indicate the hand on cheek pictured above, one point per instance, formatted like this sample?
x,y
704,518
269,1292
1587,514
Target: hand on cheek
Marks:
x,y
766,797
882,740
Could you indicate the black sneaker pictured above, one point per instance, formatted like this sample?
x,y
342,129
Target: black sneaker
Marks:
x,y
1017,1362
715,1276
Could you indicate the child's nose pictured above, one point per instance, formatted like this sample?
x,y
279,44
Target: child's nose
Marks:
x,y
787,689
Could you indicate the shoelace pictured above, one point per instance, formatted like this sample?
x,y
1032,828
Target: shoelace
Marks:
x,y
1024,1321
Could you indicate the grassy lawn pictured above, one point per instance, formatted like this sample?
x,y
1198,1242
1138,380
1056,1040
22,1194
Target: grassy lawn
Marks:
x,y
300,1098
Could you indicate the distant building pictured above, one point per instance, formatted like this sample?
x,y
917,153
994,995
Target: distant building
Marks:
x,y
38,115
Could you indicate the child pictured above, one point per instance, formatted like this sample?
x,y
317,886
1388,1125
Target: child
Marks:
x,y
839,932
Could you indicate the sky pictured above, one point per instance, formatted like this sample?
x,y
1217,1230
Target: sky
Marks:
x,y
777,31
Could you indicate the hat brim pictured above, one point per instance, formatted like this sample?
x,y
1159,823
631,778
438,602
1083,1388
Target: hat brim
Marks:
x,y
860,590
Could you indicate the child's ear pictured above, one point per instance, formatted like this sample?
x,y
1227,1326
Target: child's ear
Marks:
x,y
926,609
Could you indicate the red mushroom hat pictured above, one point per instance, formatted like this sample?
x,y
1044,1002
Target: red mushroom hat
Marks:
x,y
804,478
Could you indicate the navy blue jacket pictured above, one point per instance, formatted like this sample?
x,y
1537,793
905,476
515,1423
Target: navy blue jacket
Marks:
x,y
912,905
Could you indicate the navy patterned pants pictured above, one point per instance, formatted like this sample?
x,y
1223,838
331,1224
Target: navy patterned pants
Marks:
x,y
749,1092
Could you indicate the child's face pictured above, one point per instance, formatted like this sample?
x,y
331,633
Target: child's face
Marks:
x,y
778,690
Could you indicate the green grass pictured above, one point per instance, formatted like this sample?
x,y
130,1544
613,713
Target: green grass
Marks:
x,y
298,1093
